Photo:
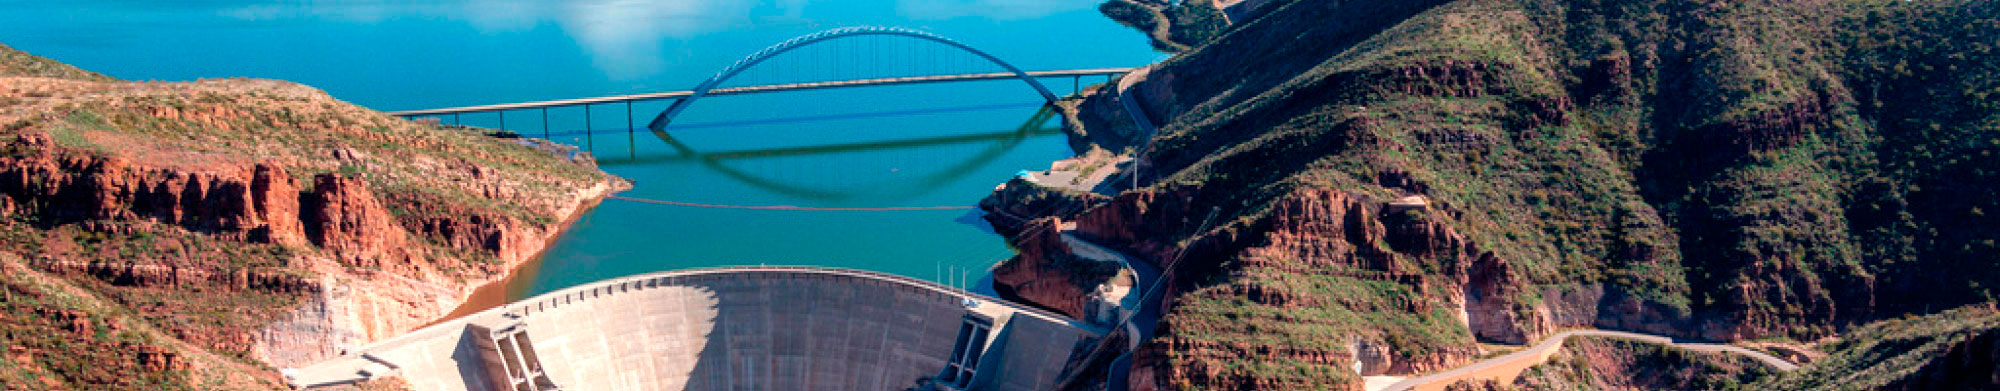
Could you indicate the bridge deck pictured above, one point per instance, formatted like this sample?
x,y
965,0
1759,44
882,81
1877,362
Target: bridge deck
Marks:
x,y
755,89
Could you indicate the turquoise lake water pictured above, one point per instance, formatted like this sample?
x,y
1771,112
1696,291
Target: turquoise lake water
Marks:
x,y
921,145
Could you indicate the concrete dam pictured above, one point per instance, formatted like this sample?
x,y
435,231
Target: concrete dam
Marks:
x,y
735,328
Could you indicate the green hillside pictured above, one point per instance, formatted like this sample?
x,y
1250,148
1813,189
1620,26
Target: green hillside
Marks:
x,y
1956,349
1705,169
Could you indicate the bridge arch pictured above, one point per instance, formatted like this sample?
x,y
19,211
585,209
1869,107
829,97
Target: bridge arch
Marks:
x,y
659,124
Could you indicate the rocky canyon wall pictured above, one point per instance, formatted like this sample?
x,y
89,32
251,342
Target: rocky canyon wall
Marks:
x,y
267,221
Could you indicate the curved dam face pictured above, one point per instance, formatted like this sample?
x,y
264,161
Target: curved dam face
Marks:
x,y
763,328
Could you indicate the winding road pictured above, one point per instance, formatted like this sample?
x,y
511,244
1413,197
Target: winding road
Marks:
x,y
1130,100
1505,368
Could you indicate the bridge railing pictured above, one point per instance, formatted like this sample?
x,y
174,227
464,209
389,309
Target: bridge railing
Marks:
x,y
659,123
586,103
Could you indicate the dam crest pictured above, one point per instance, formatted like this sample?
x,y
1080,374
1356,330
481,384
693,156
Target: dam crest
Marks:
x,y
730,328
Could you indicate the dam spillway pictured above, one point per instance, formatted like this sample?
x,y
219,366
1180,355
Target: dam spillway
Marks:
x,y
735,328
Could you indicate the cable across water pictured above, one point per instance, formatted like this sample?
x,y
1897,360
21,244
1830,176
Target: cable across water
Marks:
x,y
789,207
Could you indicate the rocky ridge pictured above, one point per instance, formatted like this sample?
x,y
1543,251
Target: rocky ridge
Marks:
x,y
1710,170
265,221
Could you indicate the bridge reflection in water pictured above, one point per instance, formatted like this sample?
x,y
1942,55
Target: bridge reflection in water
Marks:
x,y
1001,143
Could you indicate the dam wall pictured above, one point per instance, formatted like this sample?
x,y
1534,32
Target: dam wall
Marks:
x,y
761,328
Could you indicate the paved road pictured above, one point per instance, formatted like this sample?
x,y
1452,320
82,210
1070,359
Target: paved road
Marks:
x,y
1129,99
1142,322
1506,368
1149,313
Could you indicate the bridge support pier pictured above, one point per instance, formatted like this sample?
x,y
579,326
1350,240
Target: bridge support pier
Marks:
x,y
631,143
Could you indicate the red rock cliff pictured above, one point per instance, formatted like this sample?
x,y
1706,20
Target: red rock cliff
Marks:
x,y
264,219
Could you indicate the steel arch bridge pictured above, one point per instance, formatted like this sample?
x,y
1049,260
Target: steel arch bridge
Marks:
x,y
659,123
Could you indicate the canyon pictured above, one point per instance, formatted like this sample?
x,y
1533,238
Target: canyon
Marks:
x,y
1336,190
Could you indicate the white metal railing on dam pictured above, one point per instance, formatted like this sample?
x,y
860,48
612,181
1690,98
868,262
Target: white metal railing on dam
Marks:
x,y
579,293
664,323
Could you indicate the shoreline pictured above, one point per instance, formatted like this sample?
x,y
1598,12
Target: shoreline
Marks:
x,y
493,292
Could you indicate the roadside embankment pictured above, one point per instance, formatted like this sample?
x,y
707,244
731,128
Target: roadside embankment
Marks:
x,y
1506,369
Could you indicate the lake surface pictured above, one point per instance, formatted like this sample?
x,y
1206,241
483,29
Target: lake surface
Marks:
x,y
902,146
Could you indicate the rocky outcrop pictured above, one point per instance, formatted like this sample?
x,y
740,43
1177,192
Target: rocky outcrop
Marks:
x,y
507,238
1124,221
363,271
1014,204
256,202
173,275
259,219
272,196
1100,123
1031,275
1304,235
344,217
1049,273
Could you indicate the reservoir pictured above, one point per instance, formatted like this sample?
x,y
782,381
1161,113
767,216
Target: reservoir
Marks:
x,y
923,145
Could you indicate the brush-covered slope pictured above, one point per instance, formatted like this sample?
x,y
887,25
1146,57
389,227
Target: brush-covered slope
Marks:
x,y
1953,350
62,337
1709,169
1172,26
255,222
14,62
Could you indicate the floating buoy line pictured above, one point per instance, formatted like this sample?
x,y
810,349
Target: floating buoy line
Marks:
x,y
788,207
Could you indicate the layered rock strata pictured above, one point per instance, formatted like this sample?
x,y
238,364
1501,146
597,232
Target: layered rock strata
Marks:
x,y
265,221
